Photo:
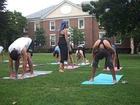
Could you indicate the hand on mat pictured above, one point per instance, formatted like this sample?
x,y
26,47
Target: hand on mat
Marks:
x,y
13,75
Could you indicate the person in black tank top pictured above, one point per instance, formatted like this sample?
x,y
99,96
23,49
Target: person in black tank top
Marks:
x,y
62,43
80,52
102,48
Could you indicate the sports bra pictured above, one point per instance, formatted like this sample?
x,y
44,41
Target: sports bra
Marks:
x,y
101,42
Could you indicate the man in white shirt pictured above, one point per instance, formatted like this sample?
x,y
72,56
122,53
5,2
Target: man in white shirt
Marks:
x,y
2,52
21,48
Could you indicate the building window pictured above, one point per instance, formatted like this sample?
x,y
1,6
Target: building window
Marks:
x,y
52,40
36,25
68,25
81,23
52,26
102,34
118,40
83,42
25,29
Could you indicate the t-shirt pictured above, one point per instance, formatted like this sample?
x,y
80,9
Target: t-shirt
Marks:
x,y
57,49
1,48
20,43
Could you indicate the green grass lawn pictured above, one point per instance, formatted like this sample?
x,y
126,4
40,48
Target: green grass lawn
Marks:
x,y
66,89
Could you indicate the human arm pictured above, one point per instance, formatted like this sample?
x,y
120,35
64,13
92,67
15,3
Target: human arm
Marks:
x,y
24,61
10,65
76,57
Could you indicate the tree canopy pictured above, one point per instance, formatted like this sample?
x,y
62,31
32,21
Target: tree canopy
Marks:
x,y
3,16
40,38
14,29
76,35
118,17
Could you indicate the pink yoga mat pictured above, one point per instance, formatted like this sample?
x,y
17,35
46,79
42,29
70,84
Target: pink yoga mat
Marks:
x,y
70,67
114,69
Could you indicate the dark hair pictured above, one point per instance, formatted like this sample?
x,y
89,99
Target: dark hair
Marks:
x,y
14,55
79,55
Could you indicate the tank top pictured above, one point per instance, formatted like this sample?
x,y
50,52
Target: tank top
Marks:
x,y
62,39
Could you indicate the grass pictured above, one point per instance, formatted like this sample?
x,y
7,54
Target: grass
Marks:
x,y
66,89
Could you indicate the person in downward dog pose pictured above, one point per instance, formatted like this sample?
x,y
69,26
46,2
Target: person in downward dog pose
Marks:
x,y
80,52
103,48
56,53
21,48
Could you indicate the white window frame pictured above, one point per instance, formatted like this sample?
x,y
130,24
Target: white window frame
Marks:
x,y
101,34
52,25
83,43
117,41
79,26
25,29
68,23
36,24
52,40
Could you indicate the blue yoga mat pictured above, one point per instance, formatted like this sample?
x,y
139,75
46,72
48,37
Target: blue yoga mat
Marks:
x,y
103,79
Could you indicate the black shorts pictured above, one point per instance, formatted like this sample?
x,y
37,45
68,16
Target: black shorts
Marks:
x,y
56,53
31,48
98,55
70,52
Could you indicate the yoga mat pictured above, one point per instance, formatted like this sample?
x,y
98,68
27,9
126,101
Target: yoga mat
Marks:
x,y
36,73
70,67
33,65
114,69
5,61
56,63
83,64
8,61
103,79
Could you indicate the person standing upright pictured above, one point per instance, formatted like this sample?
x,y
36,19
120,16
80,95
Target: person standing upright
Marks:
x,y
63,44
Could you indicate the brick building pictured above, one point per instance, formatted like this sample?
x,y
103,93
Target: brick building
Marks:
x,y
50,20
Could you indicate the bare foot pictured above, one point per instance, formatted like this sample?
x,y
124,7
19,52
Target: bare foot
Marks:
x,y
32,75
114,81
60,70
91,80
22,77
13,76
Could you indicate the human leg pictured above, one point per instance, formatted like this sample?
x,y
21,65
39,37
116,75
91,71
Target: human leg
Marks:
x,y
2,54
110,65
94,66
61,65
30,63
29,58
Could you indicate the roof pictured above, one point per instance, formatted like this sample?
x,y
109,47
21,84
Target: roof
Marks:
x,y
43,12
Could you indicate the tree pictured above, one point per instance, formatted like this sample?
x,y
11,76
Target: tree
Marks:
x,y
40,38
14,29
118,17
3,17
77,36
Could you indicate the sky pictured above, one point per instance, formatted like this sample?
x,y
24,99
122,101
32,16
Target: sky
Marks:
x,y
27,7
